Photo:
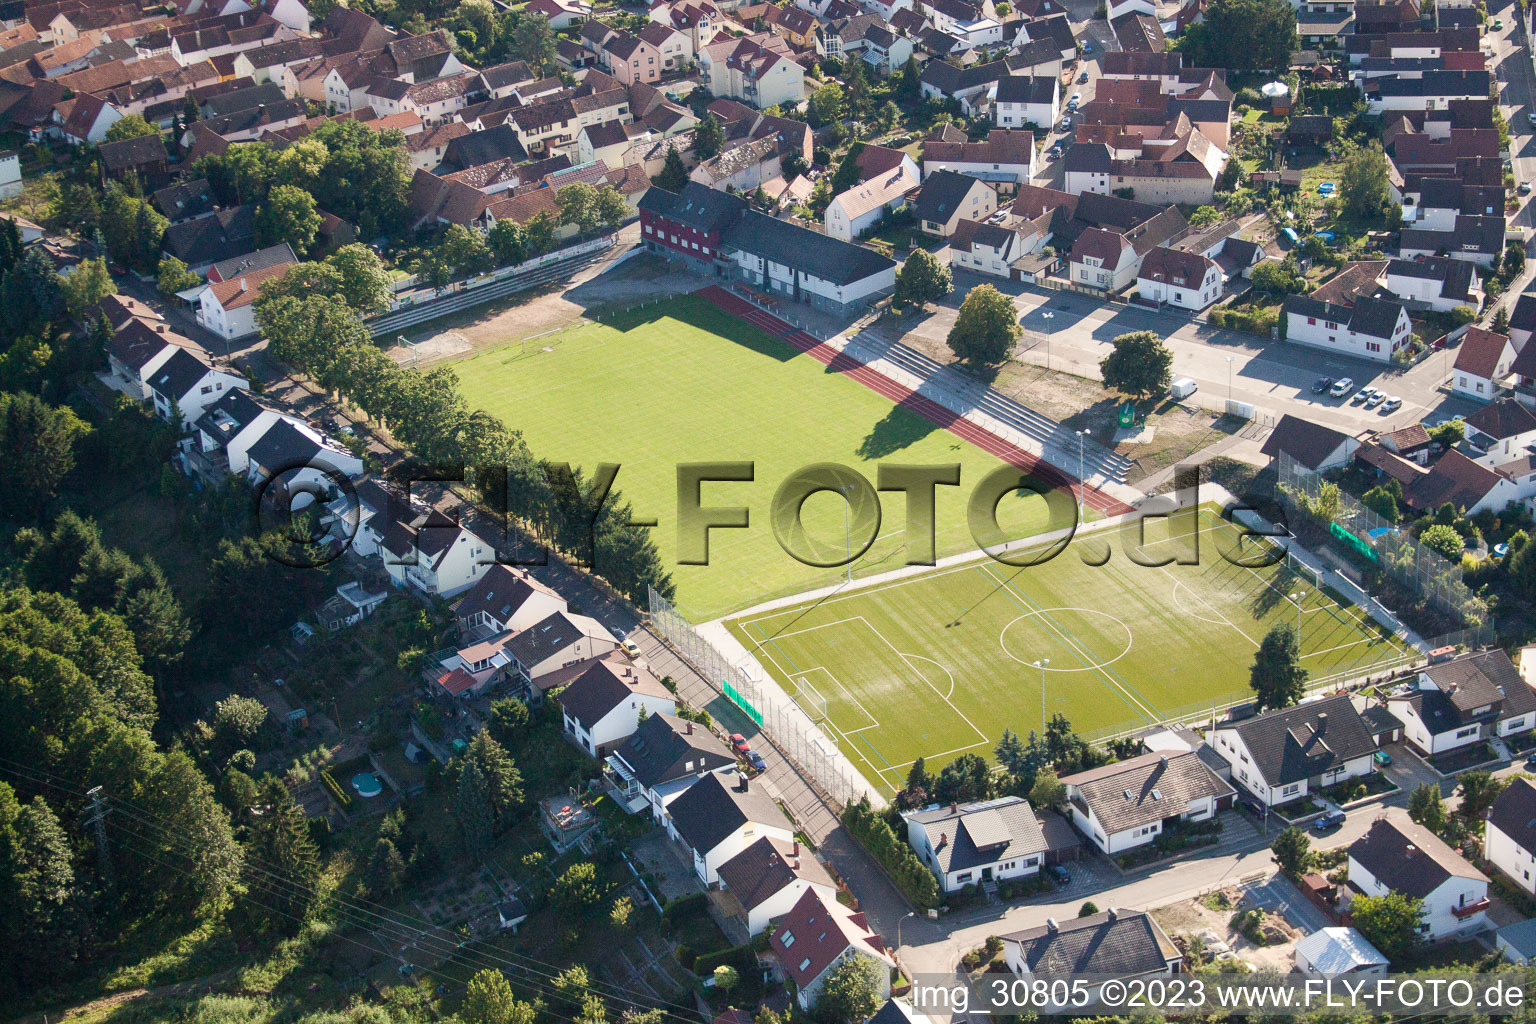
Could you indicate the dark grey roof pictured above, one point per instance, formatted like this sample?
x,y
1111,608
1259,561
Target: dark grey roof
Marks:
x,y
1435,83
942,194
483,147
1473,688
501,75
1145,789
1114,942
544,639
129,153
499,593
1026,89
1296,743
184,200
1502,419
768,867
178,375
1409,858
1304,441
1514,813
207,239
697,206
1379,720
269,93
981,833
233,412
662,748
283,447
261,259
714,807
809,252
604,686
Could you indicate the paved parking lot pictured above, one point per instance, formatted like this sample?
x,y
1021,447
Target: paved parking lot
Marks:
x,y
1278,895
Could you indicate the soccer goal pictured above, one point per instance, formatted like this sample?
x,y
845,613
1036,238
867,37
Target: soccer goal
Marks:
x,y
810,699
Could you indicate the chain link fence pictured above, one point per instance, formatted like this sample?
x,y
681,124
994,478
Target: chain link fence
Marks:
x,y
1427,574
782,720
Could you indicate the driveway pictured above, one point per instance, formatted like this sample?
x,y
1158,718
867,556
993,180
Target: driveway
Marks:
x,y
659,855
1278,895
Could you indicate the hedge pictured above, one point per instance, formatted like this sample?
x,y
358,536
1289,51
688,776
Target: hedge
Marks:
x,y
874,833
740,957
1259,323
683,906
334,788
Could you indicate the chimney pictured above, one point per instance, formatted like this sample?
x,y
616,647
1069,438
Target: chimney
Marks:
x,y
1322,720
1114,915
954,808
794,849
242,285
688,729
1051,925
745,783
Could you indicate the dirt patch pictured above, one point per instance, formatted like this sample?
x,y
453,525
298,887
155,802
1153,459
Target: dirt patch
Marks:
x,y
1216,916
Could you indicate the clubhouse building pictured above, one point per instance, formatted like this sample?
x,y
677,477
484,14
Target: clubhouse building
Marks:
x,y
716,233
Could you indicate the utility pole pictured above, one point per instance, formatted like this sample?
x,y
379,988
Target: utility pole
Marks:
x,y
97,823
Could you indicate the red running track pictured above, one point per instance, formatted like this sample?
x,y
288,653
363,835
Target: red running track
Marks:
x,y
925,407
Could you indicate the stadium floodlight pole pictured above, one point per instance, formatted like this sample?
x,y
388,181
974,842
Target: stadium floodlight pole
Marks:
x,y
847,528
1041,666
1081,480
1229,381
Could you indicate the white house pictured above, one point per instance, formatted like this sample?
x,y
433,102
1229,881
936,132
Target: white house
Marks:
x,y
1438,283
605,704
505,599
1129,803
1005,160
1372,328
769,877
1483,364
1114,943
434,552
228,308
992,840
184,384
1313,445
819,933
1464,701
660,761
985,248
1502,432
862,208
1397,855
1336,952
10,174
291,451
1509,838
1184,280
719,816
1028,101
1282,755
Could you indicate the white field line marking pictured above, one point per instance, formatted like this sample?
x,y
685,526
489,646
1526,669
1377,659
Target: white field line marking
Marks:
x,y
1212,608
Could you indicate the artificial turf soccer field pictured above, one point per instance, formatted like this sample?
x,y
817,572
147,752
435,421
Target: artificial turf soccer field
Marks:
x,y
683,381
940,663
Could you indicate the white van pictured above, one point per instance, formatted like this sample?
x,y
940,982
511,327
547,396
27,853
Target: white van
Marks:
x,y
1183,388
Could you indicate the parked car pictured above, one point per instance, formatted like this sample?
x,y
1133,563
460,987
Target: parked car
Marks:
x,y
1361,395
739,744
756,761
1082,77
1072,103
1066,124
1059,874
1375,400
1341,387
1328,822
630,648
1530,763
1382,758
1531,117
1392,404
1498,24
1525,188
1321,384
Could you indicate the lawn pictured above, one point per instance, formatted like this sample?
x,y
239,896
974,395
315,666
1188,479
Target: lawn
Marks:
x,y
685,382
940,663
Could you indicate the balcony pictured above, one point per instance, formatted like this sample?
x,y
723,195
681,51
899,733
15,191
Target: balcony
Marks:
x,y
1467,910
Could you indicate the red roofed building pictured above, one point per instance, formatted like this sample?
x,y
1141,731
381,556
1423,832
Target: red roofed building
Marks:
x,y
1482,363
816,936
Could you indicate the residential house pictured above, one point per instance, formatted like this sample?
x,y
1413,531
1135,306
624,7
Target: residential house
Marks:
x,y
304,461
1509,837
819,933
433,552
1110,258
138,348
1130,803
1465,484
1112,943
605,704
1371,328
1476,239
1482,364
1438,283
1313,445
721,815
1398,855
227,307
989,841
1501,432
851,214
505,599
201,243
674,46
280,255
985,248
947,198
768,878
758,69
1184,280
185,383
1005,160
1284,755
663,757
1024,101
1464,701
143,156
630,58
1177,164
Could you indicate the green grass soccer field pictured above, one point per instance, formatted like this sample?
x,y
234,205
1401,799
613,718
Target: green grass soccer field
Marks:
x,y
682,381
939,663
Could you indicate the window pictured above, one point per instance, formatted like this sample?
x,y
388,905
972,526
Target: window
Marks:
x,y
788,939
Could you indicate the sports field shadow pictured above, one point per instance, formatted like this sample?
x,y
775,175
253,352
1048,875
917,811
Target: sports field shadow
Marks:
x,y
1267,599
899,428
706,316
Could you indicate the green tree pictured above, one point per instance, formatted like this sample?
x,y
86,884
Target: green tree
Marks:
x,y
130,126
386,868
726,978
1390,922
986,327
708,136
1292,852
1139,365
1443,540
578,206
577,891
1383,502
488,999
1088,909
1048,790
673,175
1448,434
826,105
40,894
1427,807
172,276
621,911
464,248
1277,678
1204,217
288,215
364,280
285,864
922,279
490,789
963,780
851,993
1365,182
238,720
37,451
507,719
533,41
1246,35
1478,792
86,285
508,242
1501,321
